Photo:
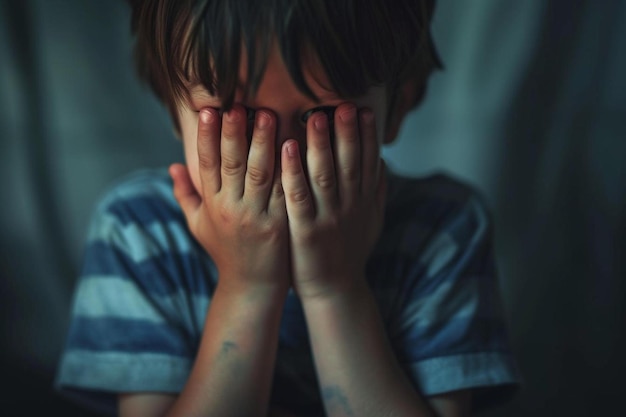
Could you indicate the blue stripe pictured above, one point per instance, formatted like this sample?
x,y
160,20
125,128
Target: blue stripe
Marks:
x,y
112,297
465,266
143,241
143,210
475,260
427,216
466,225
134,336
163,274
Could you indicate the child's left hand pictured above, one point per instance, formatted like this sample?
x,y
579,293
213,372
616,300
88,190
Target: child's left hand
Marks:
x,y
336,214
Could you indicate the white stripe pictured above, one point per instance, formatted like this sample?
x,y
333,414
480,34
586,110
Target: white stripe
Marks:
x,y
113,297
121,371
439,253
142,242
451,300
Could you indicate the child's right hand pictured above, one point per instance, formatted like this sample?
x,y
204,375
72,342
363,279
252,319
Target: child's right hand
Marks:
x,y
238,214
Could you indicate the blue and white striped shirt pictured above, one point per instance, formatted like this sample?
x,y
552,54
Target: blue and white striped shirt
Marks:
x,y
146,285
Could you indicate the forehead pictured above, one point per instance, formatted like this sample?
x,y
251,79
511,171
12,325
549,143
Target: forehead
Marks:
x,y
275,78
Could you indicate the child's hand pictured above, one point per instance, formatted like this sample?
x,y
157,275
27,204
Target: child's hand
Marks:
x,y
238,214
336,215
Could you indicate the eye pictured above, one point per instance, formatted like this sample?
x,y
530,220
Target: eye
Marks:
x,y
329,110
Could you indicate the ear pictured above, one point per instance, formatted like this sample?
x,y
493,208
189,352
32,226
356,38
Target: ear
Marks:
x,y
408,96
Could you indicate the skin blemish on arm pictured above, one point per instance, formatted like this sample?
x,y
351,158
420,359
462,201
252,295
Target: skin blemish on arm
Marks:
x,y
335,399
230,360
227,347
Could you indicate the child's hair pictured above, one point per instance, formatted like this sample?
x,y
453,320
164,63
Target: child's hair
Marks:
x,y
359,43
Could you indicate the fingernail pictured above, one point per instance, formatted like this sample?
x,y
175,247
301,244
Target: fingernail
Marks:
x,y
262,120
206,116
321,122
232,115
292,149
347,115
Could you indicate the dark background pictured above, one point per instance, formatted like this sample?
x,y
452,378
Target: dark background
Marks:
x,y
531,110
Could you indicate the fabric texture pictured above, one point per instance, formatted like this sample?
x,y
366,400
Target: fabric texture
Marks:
x,y
146,285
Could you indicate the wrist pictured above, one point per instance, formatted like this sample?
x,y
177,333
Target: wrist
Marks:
x,y
249,291
337,291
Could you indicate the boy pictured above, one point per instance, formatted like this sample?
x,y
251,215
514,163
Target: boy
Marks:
x,y
282,271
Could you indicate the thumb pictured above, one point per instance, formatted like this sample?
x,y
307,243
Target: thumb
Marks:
x,y
184,190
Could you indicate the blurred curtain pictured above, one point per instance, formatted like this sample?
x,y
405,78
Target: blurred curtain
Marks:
x,y
73,118
530,109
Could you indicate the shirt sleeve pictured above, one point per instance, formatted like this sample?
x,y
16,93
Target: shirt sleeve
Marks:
x,y
133,326
449,332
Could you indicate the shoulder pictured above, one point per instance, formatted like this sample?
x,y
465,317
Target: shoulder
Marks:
x,y
141,297
435,195
142,196
436,274
138,233
437,208
139,209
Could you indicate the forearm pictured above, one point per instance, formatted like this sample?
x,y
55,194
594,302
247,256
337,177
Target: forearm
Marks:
x,y
233,371
357,370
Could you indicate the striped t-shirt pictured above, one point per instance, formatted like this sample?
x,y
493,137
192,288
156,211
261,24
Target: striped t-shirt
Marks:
x,y
146,285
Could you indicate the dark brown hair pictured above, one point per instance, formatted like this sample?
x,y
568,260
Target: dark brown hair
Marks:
x,y
359,43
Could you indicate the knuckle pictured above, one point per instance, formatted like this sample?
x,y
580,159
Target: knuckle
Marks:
x,y
226,214
299,196
277,190
272,232
232,166
324,180
206,160
350,173
258,177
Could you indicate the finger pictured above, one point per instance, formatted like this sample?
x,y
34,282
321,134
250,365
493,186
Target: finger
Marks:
x,y
347,153
276,206
260,168
370,151
300,206
184,191
234,152
321,168
208,144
